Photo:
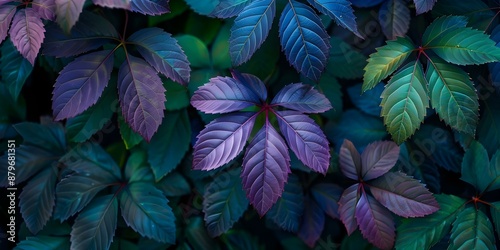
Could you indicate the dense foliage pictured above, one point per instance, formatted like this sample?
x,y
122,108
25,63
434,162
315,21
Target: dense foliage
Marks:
x,y
155,124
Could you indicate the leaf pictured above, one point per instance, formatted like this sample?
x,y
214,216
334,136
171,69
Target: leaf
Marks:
x,y
288,210
304,39
162,52
229,8
312,224
266,166
95,226
177,95
223,95
81,83
202,7
347,207
422,233
67,13
6,14
423,6
350,160
476,169
253,83
493,173
477,12
141,95
495,215
331,88
37,199
145,209
174,184
404,101
345,61
369,101
250,29
137,168
47,136
150,7
46,9
375,222
488,130
14,67
231,131
170,144
394,17
303,98
43,242
197,54
340,11
129,137
386,60
305,139
441,26
327,196
224,202
378,158
472,230
27,33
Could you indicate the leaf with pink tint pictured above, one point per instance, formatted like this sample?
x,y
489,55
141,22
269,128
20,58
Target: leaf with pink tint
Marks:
x,y
223,95
46,9
303,98
347,208
150,7
6,14
222,140
27,33
312,224
252,82
350,160
403,195
142,96
306,139
378,158
375,222
68,12
81,83
120,4
265,168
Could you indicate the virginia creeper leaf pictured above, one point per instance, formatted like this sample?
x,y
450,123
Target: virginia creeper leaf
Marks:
x,y
441,26
488,130
472,230
394,17
46,9
327,196
303,98
6,14
43,242
340,11
350,160
14,67
68,12
150,7
312,224
476,169
253,83
47,136
423,6
229,8
289,208
378,158
347,207
27,33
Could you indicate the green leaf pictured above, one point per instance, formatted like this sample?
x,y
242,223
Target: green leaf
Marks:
x,y
453,95
404,101
442,25
95,226
169,145
130,138
476,167
386,60
220,48
43,242
146,210
495,214
488,130
177,95
196,51
422,233
472,230
174,184
331,88
494,172
15,69
287,211
344,61
137,168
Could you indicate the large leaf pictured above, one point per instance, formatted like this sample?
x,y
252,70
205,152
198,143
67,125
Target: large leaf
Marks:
x,y
378,158
72,95
472,230
386,60
488,130
265,168
150,7
394,17
312,223
67,13
146,210
170,144
304,39
6,14
95,226
350,160
289,208
404,101
27,33
227,132
476,169
37,199
224,202
327,196
14,67
43,242
229,8
422,233
375,222
46,9
250,29
223,95
142,96
303,98
440,26
162,52
339,10
344,60
403,195
347,207
453,95
423,6
306,139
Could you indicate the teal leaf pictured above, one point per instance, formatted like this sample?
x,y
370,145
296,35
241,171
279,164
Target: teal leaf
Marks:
x,y
288,209
15,69
43,242
137,168
476,167
472,230
440,26
327,196
174,184
130,137
488,130
344,61
369,101
340,11
47,136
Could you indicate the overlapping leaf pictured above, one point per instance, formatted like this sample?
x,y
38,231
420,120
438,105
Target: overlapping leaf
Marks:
x,y
312,224
67,13
472,230
229,8
488,130
289,208
14,67
6,14
394,17
340,11
344,60
347,207
350,160
150,7
27,33
423,6
378,158
48,136
441,26
43,242
327,196
476,168
253,83
46,9
303,98
369,101
121,4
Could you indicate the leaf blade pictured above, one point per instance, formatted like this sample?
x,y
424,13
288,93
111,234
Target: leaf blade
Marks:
x,y
472,230
27,33
68,12
302,98
378,158
340,11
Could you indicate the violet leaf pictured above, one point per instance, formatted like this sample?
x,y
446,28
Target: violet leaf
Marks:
x,y
303,98
347,207
378,158
27,33
350,160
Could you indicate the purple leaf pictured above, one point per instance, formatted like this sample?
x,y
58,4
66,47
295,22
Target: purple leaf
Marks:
x,y
378,158
46,9
27,33
350,160
253,83
81,83
67,13
312,224
423,6
120,4
142,96
223,95
306,139
403,195
303,98
150,7
375,222
394,18
6,14
222,140
162,52
347,208
265,168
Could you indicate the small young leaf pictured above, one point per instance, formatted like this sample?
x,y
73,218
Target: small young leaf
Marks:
x,y
339,10
46,9
350,160
378,158
67,13
6,14
27,33
14,67
394,17
229,8
312,224
303,98
327,196
150,7
423,6
289,208
472,230
347,207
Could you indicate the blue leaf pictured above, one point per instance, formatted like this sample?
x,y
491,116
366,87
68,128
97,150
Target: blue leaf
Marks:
x,y
303,98
339,10
288,210
250,30
14,67
203,7
394,18
327,196
253,83
369,101
488,130
229,8
423,6
224,202
174,184
365,3
43,242
47,136
304,39
495,67
150,7
344,60
312,223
